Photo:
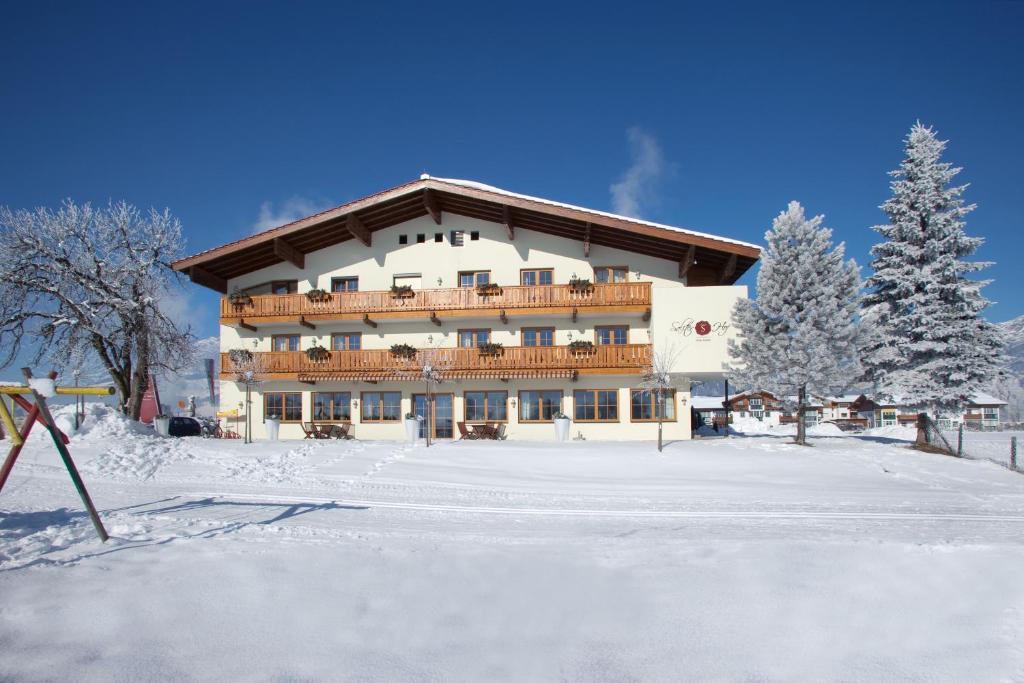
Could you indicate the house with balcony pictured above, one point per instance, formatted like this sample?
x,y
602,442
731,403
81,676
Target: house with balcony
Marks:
x,y
520,307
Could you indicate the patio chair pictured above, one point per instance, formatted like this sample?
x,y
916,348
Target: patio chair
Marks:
x,y
464,433
499,432
309,429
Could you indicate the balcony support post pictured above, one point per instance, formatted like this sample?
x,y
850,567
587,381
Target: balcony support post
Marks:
x,y
647,315
246,326
367,321
503,316
586,241
286,252
730,268
688,261
201,276
575,313
434,319
430,204
506,217
356,228
306,323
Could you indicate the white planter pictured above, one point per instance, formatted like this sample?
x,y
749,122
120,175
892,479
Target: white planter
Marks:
x,y
412,430
162,425
273,428
562,429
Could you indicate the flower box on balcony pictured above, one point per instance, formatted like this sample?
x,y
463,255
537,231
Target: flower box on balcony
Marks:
x,y
581,346
402,291
317,353
239,299
578,284
403,351
489,289
491,349
239,356
317,295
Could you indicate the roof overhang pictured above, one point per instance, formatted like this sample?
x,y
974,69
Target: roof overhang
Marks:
x,y
716,258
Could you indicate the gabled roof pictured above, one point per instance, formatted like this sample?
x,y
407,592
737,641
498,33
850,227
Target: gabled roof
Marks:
x,y
719,259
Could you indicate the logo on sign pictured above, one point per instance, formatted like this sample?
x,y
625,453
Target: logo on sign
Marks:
x,y
703,328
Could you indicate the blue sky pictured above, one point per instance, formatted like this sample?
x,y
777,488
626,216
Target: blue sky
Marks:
x,y
237,115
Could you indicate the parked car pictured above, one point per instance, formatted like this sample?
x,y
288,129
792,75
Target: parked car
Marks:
x,y
184,426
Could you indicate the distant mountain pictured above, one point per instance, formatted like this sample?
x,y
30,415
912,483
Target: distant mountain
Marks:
x,y
1012,390
1013,330
192,381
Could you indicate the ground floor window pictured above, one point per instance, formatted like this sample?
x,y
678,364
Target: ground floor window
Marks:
x,y
286,407
485,406
382,406
335,406
539,406
644,405
596,405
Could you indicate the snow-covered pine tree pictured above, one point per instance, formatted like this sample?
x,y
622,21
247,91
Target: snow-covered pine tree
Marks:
x,y
931,349
800,336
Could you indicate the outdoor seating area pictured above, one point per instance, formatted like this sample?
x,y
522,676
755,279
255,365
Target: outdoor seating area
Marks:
x,y
483,430
323,430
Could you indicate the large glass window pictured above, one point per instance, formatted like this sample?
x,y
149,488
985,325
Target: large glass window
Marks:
x,y
332,405
474,278
284,342
344,284
537,276
605,274
644,404
347,341
538,336
382,406
596,405
485,406
539,406
612,334
286,407
471,338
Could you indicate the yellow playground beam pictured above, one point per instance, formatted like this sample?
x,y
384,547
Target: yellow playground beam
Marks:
x,y
12,429
68,391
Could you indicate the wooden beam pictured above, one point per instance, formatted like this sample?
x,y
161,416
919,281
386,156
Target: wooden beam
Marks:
x,y
647,315
285,251
201,276
730,268
356,228
370,381
586,242
430,202
575,375
306,323
367,321
575,312
504,379
310,382
688,261
506,217
434,319
503,316
246,326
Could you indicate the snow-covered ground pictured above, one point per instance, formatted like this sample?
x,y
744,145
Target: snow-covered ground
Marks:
x,y
745,558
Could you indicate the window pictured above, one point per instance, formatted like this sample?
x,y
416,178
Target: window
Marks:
x,y
284,342
471,338
334,406
596,405
539,406
284,287
474,278
403,239
474,236
486,406
612,334
286,407
382,406
538,276
421,238
538,336
606,274
347,341
643,404
456,237
345,284
439,237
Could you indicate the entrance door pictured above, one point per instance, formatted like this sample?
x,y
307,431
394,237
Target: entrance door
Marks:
x,y
442,418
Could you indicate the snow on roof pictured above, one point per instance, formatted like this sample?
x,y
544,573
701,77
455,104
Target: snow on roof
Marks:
x,y
707,402
983,399
497,190
845,398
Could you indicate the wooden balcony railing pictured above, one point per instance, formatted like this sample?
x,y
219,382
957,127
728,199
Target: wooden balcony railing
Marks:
x,y
624,358
533,298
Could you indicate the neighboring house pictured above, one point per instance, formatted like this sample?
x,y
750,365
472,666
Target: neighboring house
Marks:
x,y
523,306
841,410
711,409
883,413
983,412
812,412
757,404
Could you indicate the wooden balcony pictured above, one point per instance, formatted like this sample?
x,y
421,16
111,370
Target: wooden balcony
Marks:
x,y
452,363
625,297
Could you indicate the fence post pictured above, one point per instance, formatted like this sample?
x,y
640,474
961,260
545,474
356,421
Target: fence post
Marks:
x,y
1013,452
960,441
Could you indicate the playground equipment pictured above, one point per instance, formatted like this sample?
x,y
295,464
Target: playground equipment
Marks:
x,y
40,412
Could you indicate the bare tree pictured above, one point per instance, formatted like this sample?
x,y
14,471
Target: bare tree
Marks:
x,y
80,281
657,380
431,366
250,370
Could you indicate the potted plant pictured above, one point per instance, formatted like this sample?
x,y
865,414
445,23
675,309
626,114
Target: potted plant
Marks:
x,y
491,348
239,298
239,355
581,346
412,426
273,423
403,350
162,424
579,284
561,421
317,353
317,295
488,289
402,291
